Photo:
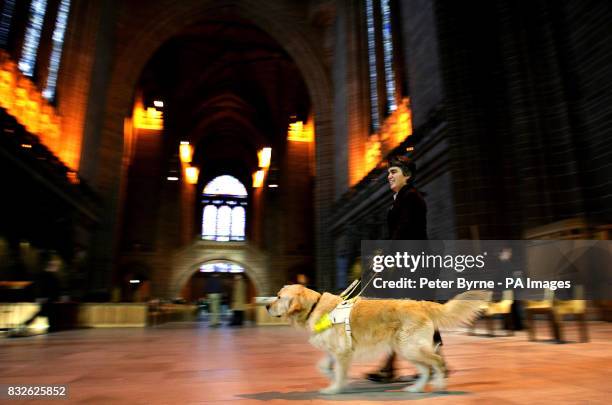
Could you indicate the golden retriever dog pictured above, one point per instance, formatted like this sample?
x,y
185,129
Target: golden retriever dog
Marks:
x,y
378,326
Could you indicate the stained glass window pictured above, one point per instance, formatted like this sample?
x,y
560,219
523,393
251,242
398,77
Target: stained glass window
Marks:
x,y
6,18
387,39
32,37
224,223
373,74
238,216
221,267
224,213
209,222
380,37
225,185
58,44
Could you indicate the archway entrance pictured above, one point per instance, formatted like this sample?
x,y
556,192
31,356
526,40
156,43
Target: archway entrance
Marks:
x,y
222,290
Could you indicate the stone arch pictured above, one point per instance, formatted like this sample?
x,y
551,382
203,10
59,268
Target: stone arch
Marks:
x,y
187,261
184,276
161,21
289,32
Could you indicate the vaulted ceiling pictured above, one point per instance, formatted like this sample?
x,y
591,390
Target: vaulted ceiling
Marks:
x,y
229,88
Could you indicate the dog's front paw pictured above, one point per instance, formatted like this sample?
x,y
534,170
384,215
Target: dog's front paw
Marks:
x,y
327,373
415,389
325,367
439,384
332,389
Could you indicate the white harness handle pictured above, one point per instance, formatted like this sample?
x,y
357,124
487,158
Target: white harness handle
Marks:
x,y
342,312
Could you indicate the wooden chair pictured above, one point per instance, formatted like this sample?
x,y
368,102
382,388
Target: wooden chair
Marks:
x,y
15,315
555,310
20,319
493,309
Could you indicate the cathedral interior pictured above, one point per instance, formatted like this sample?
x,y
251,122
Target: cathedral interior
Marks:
x,y
168,162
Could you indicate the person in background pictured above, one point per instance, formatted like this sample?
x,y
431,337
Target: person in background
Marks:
x,y
239,300
213,288
49,289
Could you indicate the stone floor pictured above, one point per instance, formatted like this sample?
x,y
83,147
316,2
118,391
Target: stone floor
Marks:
x,y
188,363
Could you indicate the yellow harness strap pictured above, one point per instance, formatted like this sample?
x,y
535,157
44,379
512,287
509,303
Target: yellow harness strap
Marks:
x,y
323,323
338,315
326,321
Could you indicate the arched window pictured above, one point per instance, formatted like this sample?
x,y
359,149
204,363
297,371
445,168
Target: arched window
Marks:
x,y
224,209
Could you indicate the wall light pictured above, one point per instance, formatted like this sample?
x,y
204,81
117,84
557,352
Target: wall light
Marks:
x,y
148,119
185,152
73,177
300,132
158,103
191,174
264,157
172,178
258,178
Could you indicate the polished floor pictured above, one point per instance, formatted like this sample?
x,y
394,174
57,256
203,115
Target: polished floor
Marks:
x,y
188,363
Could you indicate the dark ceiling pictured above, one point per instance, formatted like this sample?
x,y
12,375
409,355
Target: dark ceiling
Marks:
x,y
230,89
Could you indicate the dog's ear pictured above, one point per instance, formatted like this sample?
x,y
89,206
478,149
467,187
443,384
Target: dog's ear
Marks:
x,y
295,306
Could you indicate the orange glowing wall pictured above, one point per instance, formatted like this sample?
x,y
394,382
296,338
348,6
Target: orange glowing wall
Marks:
x,y
394,130
20,97
356,156
397,127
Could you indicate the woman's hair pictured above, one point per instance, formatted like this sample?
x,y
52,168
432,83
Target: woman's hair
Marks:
x,y
406,164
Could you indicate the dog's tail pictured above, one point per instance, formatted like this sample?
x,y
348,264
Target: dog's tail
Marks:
x,y
463,309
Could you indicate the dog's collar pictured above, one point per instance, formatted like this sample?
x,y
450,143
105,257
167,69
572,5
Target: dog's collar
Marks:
x,y
313,307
